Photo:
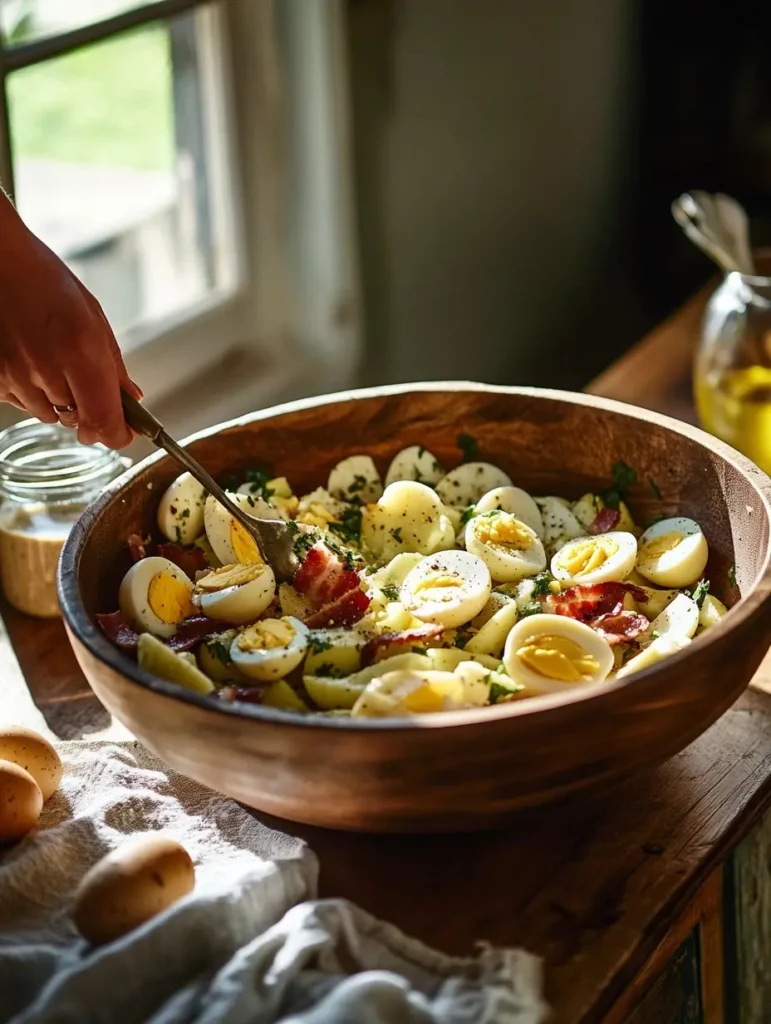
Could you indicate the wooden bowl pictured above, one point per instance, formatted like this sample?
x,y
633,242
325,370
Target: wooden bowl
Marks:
x,y
467,769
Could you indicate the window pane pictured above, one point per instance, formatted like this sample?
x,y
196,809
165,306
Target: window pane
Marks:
x,y
111,169
23,20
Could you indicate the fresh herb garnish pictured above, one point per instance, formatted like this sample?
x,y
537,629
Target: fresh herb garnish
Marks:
x,y
330,671
359,483
390,593
499,693
468,446
397,534
185,513
655,488
178,531
732,575
349,527
303,541
421,451
542,584
342,553
418,650
699,592
461,639
623,478
468,513
653,520
316,645
220,651
257,479
531,608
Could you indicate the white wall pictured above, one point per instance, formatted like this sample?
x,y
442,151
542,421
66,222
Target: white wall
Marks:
x,y
490,140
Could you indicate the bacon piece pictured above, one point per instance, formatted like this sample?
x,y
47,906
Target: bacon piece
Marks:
x,y
621,627
189,560
116,628
189,633
137,546
323,578
343,612
607,519
400,638
587,601
247,694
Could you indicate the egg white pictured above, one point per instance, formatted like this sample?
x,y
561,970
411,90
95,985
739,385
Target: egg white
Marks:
x,y
415,463
466,484
507,562
408,517
620,549
355,479
267,664
679,618
680,566
242,603
515,501
451,605
559,523
228,538
136,592
180,512
531,628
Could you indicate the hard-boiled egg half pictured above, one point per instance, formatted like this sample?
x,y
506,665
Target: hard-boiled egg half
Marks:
x,y
236,593
672,553
466,484
415,692
408,517
548,653
155,596
507,546
355,479
180,512
602,558
450,588
515,501
270,649
229,540
415,463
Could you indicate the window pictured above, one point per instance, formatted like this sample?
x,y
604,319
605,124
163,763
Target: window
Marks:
x,y
162,148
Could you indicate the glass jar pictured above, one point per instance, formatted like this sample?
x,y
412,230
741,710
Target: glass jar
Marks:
x,y
732,372
46,480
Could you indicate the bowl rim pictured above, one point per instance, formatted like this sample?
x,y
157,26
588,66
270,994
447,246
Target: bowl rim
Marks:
x,y
80,626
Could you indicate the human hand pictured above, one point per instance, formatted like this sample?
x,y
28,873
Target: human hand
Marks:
x,y
56,346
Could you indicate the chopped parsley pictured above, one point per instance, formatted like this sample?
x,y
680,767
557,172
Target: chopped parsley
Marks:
x,y
468,446
397,534
421,451
303,541
257,479
468,513
462,637
500,693
623,478
349,528
220,651
185,513
531,608
699,592
390,593
358,484
330,671
343,553
653,520
542,584
655,488
417,650
732,576
316,645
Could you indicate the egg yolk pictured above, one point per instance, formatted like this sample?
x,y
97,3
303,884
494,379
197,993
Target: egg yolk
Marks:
x,y
660,545
502,530
586,556
438,582
169,598
557,657
267,636
244,545
317,515
228,576
424,700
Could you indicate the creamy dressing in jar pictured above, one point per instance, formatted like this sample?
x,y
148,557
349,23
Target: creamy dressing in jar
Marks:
x,y
46,481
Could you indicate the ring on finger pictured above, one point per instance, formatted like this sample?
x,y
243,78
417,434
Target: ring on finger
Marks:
x,y
65,410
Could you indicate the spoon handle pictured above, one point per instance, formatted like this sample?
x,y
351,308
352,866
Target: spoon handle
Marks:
x,y
142,422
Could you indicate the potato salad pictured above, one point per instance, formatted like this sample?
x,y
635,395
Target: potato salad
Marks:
x,y
420,591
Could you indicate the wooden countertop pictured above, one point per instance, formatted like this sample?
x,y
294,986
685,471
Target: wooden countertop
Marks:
x,y
593,886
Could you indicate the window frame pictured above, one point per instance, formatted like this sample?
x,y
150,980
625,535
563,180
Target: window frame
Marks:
x,y
286,323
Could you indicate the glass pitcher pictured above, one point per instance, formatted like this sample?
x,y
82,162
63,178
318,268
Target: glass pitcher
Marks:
x,y
732,372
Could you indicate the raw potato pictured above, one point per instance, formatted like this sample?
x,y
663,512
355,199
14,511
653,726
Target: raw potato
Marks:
x,y
131,885
34,754
20,802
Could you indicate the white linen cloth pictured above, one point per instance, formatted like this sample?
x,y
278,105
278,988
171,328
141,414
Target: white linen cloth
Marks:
x,y
251,945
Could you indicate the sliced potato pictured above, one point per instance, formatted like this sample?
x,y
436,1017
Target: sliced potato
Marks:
x,y
711,611
447,659
281,695
333,694
491,638
160,660
335,649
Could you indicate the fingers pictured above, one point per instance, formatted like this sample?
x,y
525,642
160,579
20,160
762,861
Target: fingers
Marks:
x,y
34,400
11,399
93,381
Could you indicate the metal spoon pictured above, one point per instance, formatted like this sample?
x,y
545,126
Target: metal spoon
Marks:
x,y
736,225
274,537
699,216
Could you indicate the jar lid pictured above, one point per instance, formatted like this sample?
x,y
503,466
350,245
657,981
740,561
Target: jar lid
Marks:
x,y
45,462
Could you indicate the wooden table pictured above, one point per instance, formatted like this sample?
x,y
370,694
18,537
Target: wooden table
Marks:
x,y
649,905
